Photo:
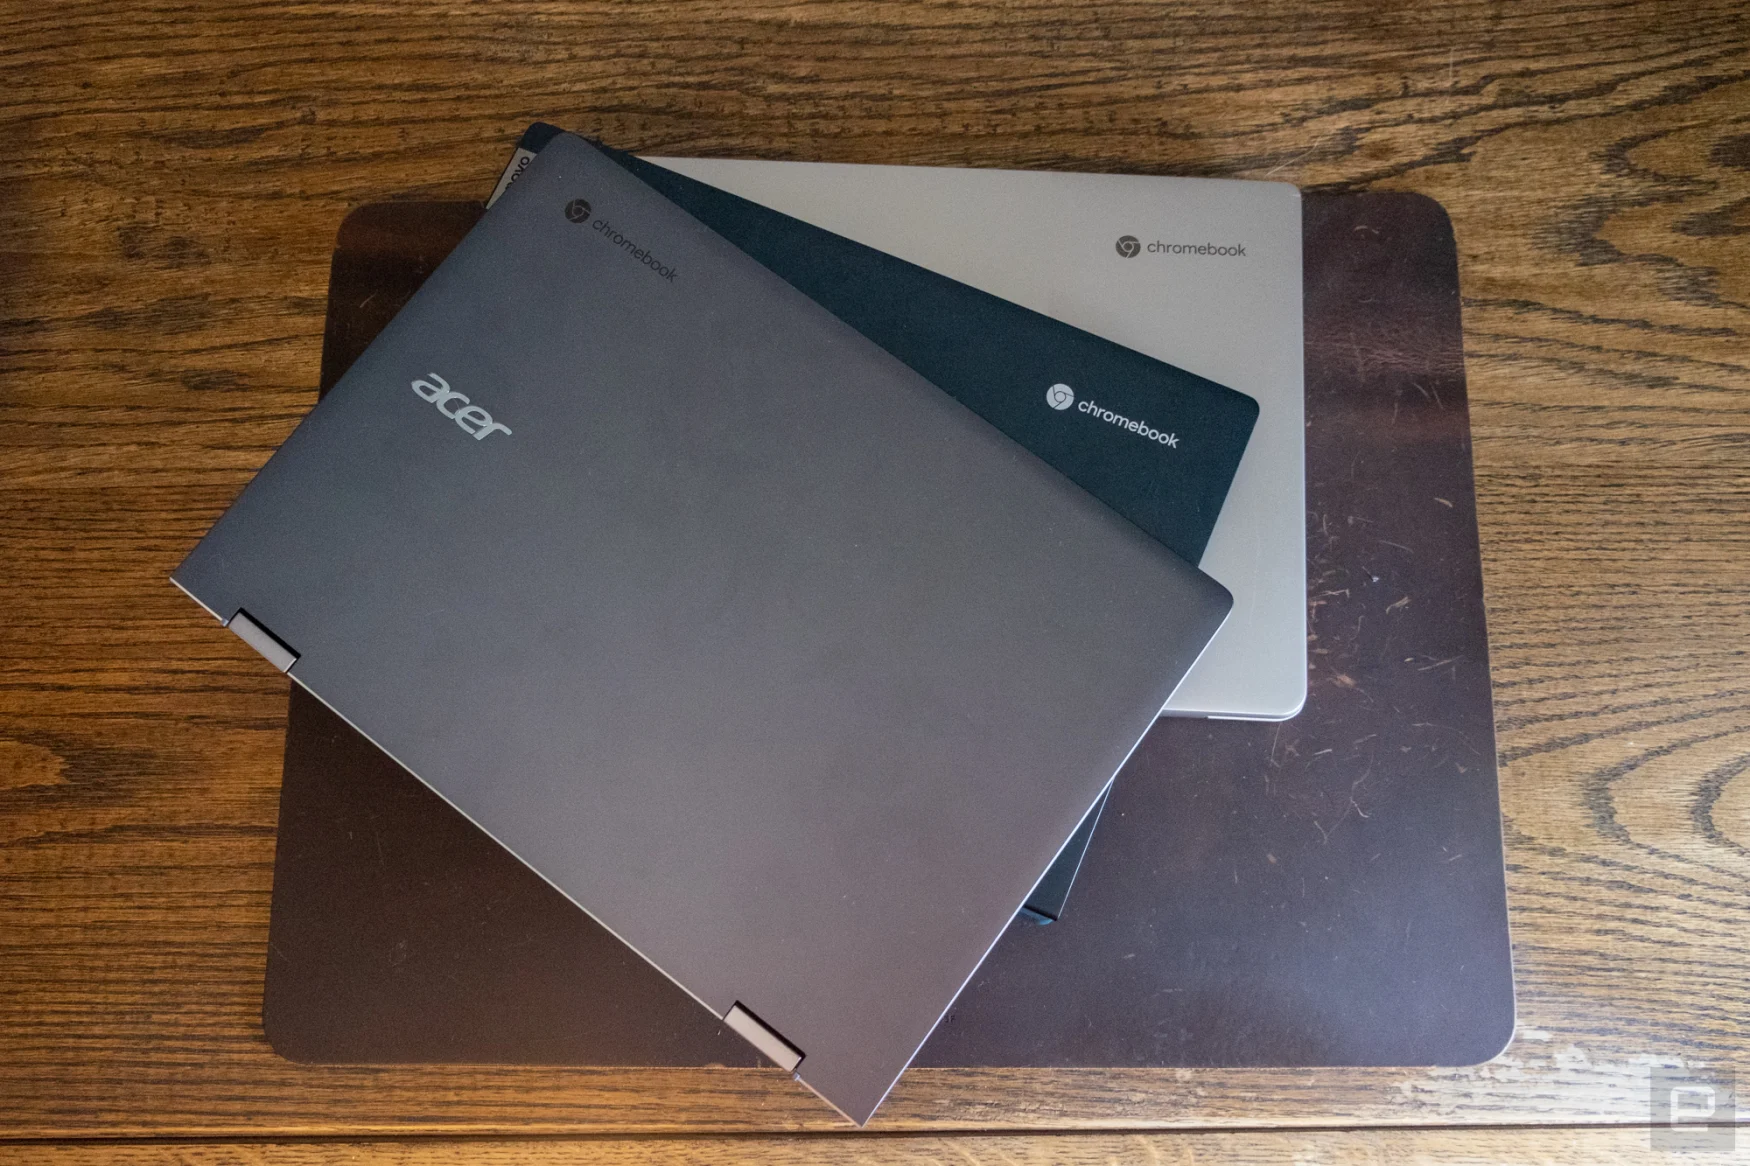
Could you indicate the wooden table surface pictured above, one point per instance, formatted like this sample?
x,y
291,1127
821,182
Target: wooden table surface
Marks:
x,y
171,178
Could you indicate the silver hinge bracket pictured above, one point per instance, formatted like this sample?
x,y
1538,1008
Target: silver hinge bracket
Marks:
x,y
269,645
764,1038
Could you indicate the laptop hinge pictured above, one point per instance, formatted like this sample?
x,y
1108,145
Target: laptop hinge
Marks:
x,y
764,1038
269,645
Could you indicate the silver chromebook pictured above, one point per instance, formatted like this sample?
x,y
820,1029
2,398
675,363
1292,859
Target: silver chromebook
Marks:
x,y
787,668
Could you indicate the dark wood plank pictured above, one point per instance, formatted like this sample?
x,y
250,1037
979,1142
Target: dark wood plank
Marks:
x,y
1601,1146
171,177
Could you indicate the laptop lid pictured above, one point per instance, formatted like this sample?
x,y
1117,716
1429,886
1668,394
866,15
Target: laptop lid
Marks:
x,y
963,340
970,344
786,667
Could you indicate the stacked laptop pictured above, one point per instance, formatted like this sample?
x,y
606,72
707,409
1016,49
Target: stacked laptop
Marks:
x,y
782,560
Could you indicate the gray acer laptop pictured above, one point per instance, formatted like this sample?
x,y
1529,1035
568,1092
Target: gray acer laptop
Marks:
x,y
787,668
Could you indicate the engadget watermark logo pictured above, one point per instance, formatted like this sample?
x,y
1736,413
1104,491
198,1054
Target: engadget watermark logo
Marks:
x,y
1694,1111
1063,398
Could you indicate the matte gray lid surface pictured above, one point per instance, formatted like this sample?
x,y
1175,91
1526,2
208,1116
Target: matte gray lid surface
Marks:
x,y
783,665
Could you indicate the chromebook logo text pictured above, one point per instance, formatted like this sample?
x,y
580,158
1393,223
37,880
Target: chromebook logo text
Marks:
x,y
579,211
1062,397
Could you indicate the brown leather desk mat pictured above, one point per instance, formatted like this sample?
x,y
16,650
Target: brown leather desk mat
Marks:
x,y
1328,891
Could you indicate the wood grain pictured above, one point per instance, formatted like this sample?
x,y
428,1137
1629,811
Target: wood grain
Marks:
x,y
1606,1146
171,177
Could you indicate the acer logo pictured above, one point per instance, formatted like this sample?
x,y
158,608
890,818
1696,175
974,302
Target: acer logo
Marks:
x,y
470,419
